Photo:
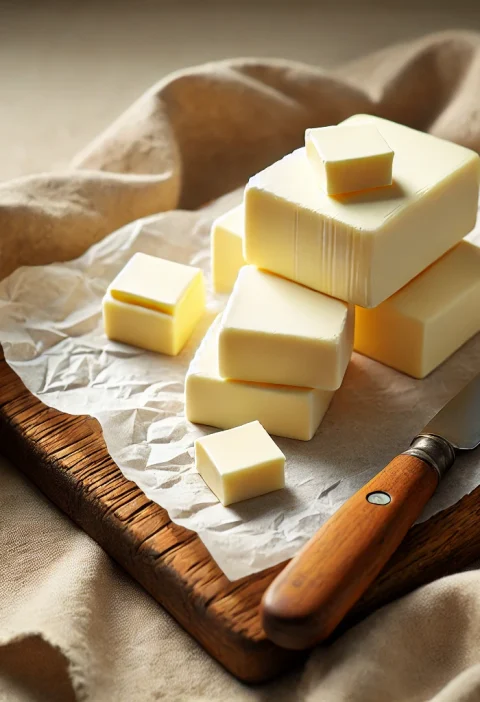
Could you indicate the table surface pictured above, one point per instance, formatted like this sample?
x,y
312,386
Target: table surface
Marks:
x,y
66,457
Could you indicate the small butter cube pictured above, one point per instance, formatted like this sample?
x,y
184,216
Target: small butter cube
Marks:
x,y
349,158
364,246
227,249
154,304
275,331
240,463
426,321
283,410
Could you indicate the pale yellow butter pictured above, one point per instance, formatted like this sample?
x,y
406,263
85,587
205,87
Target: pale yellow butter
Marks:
x,y
365,246
349,158
283,410
154,304
227,249
424,323
275,331
240,463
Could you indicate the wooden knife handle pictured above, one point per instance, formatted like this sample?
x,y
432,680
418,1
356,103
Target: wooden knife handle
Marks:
x,y
310,597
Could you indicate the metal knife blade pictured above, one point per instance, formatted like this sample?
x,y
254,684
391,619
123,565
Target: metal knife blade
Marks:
x,y
458,422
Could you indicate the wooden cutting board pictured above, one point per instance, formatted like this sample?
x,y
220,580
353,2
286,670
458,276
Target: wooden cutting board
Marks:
x,y
66,457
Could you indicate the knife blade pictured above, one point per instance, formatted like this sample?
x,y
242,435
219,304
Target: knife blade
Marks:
x,y
458,422
310,597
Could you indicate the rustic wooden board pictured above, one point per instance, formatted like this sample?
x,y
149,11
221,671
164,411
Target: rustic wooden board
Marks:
x,y
65,456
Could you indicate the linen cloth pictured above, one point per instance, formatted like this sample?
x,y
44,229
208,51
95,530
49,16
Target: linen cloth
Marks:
x,y
72,625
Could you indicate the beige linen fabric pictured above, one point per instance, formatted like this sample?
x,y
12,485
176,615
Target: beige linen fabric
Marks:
x,y
72,625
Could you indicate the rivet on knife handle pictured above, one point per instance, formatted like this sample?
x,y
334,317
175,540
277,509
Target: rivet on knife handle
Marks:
x,y
321,584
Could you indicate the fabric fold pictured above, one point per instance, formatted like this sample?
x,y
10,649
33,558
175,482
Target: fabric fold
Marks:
x,y
202,132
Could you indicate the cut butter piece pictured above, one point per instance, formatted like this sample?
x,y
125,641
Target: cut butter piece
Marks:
x,y
227,249
348,158
424,323
154,304
275,331
240,463
292,412
364,246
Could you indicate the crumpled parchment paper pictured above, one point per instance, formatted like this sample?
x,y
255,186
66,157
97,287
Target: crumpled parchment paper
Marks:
x,y
52,335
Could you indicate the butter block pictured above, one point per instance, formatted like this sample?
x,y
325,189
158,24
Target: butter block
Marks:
x,y
227,249
424,323
364,246
349,158
292,412
154,304
275,331
240,463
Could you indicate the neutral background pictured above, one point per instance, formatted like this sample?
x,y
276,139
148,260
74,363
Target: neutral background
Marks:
x,y
68,68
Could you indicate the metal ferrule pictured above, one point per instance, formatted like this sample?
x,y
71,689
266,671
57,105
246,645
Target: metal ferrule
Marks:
x,y
434,450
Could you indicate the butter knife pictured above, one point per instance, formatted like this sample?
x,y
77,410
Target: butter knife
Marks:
x,y
313,593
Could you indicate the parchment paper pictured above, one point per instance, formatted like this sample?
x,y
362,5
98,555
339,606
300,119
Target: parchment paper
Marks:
x,y
52,335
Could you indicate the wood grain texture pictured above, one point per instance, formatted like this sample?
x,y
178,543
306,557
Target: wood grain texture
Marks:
x,y
312,595
65,456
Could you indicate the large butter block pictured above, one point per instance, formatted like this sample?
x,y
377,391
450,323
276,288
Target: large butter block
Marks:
x,y
424,323
349,158
283,410
365,246
227,249
154,304
275,331
240,463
